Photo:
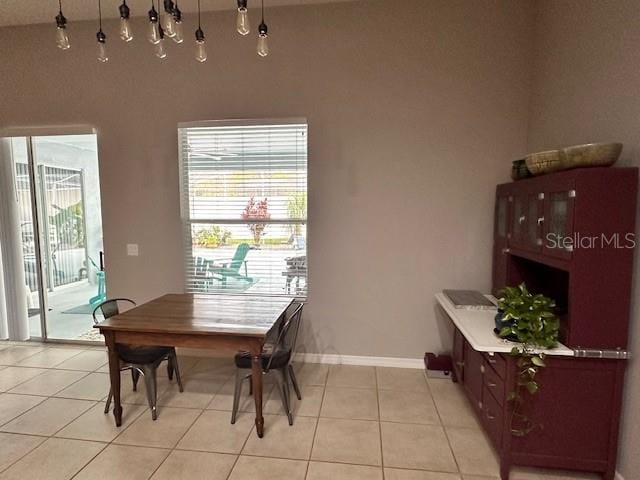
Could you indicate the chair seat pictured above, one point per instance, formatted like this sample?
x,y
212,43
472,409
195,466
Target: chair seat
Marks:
x,y
141,354
280,359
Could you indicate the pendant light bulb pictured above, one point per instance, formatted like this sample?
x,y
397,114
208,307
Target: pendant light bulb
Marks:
x,y
201,50
242,20
177,16
102,47
126,33
62,37
168,20
263,43
154,27
160,50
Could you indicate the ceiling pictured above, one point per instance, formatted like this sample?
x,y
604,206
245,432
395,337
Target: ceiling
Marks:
x,y
25,12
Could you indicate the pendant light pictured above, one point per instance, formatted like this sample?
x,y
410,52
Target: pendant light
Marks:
x,y
201,51
125,24
154,26
168,20
102,38
242,21
62,37
177,16
263,44
160,51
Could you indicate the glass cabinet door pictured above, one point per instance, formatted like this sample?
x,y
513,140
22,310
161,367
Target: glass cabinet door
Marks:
x,y
534,221
518,220
558,239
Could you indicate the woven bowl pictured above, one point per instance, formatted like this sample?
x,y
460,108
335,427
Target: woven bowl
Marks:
x,y
591,155
545,162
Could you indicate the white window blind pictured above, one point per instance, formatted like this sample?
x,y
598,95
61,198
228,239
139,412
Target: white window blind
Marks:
x,y
244,206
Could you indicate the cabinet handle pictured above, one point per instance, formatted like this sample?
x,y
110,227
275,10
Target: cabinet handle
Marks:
x,y
492,361
541,196
569,248
522,219
480,405
491,385
571,194
540,220
460,364
481,368
490,416
505,251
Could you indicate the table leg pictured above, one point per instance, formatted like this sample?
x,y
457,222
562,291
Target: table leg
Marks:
x,y
256,382
114,375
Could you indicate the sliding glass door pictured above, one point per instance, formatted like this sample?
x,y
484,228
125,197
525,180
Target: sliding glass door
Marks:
x,y
57,187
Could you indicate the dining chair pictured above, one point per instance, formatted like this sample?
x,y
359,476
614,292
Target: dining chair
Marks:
x,y
143,360
275,356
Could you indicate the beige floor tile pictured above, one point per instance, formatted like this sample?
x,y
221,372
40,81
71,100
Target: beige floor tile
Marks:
x,y
87,361
185,465
351,376
309,406
48,417
186,363
15,446
12,405
347,441
213,432
482,477
282,440
94,386
401,379
123,463
250,468
407,406
341,471
397,474
50,357
452,404
212,367
423,447
95,425
49,382
14,354
55,459
198,393
223,400
165,432
353,403
12,376
311,373
473,451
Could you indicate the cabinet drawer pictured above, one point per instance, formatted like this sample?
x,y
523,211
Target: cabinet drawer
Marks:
x,y
492,418
498,363
494,384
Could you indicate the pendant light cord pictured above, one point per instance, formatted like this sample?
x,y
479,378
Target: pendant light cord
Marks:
x,y
199,26
60,4
99,15
262,11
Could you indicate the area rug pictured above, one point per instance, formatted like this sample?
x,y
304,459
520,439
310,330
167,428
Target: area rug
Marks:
x,y
85,309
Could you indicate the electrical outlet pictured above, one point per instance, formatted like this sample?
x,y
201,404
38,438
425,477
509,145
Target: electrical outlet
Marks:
x,y
132,249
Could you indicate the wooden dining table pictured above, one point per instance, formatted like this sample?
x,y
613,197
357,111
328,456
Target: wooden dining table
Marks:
x,y
230,323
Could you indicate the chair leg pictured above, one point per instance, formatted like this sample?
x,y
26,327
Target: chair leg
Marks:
x,y
108,405
283,385
173,360
135,375
170,367
236,395
151,385
294,382
250,386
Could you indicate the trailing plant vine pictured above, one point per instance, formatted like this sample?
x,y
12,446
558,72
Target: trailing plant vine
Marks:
x,y
529,320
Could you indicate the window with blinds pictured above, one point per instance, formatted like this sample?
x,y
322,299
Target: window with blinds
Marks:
x,y
244,206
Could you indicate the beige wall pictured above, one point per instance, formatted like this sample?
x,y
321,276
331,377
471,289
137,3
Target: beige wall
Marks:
x,y
585,89
415,109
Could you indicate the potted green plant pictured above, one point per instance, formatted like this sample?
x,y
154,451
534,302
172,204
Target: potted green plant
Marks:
x,y
528,319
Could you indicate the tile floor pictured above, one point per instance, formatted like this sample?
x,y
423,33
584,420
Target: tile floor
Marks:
x,y
360,423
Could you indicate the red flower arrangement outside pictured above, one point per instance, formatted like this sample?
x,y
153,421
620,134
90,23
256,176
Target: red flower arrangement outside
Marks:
x,y
256,211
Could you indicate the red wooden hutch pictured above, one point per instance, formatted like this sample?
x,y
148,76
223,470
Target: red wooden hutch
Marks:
x,y
568,235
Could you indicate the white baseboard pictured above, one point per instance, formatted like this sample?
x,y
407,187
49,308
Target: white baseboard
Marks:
x,y
330,359
619,476
333,359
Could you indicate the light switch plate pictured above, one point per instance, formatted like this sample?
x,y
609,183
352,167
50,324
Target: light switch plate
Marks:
x,y
132,249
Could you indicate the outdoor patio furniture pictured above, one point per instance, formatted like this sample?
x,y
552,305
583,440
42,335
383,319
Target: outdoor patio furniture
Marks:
x,y
296,269
140,359
101,295
223,269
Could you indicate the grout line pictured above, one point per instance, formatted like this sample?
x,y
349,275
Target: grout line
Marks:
x,y
379,422
315,430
